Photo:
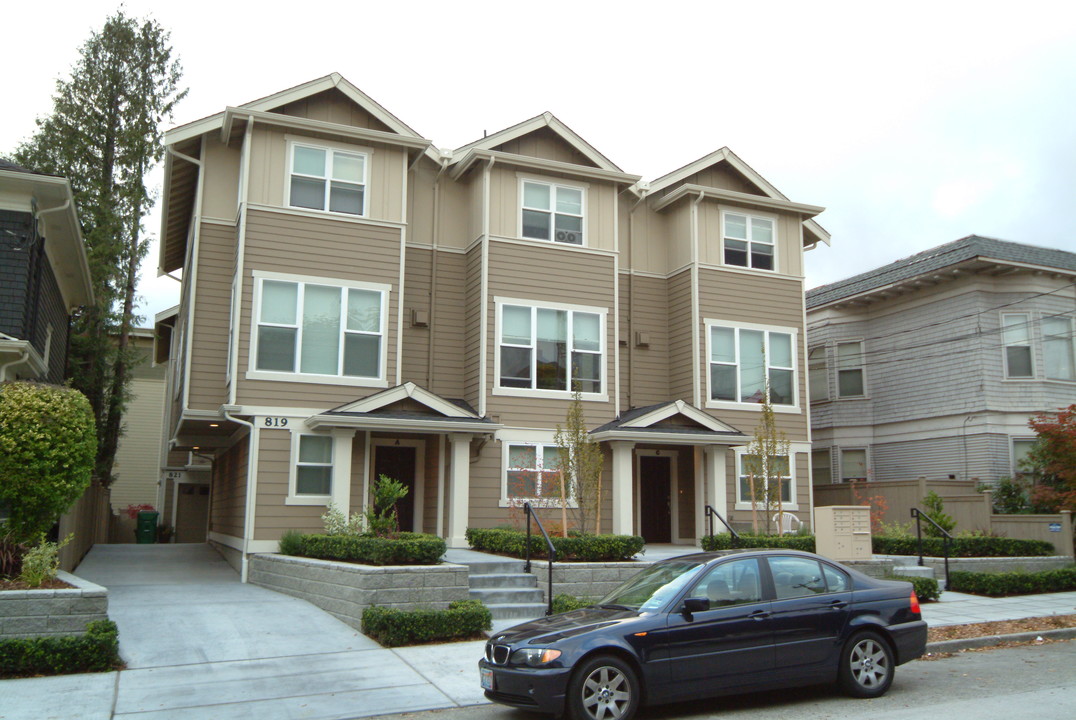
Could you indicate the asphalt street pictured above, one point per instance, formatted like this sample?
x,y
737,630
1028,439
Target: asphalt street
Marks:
x,y
1035,681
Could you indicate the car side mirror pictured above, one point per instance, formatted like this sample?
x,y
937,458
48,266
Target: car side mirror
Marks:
x,y
694,605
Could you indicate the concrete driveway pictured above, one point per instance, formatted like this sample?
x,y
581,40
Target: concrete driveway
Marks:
x,y
200,644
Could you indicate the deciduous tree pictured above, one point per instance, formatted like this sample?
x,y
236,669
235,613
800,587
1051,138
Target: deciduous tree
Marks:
x,y
581,467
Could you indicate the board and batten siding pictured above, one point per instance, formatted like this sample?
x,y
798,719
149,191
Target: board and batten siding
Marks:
x,y
330,249
644,308
209,330
227,511
220,173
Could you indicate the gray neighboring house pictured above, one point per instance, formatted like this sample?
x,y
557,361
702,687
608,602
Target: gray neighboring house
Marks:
x,y
931,366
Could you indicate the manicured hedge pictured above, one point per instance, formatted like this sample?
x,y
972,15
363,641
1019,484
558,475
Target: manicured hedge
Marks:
x,y
580,548
1013,583
403,549
96,651
962,547
725,541
463,619
926,589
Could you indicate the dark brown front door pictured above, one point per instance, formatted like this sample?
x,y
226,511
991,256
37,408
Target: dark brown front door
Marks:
x,y
654,495
398,463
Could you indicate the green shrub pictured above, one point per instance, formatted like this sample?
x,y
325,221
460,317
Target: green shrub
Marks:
x,y
96,651
926,589
962,547
578,548
563,602
1013,583
42,562
936,512
337,523
47,450
291,543
463,619
401,549
1010,496
725,541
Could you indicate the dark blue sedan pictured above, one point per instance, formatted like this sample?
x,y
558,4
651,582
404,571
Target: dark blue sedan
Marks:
x,y
710,624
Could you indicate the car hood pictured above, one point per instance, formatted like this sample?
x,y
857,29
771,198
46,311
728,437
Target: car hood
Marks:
x,y
564,625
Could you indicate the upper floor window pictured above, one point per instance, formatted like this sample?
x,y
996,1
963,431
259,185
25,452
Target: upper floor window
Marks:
x,y
550,348
1016,335
850,369
749,241
817,374
747,363
821,470
552,212
1058,345
327,179
310,328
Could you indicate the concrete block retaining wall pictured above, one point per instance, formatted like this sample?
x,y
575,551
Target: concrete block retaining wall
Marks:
x,y
585,579
995,565
47,613
346,589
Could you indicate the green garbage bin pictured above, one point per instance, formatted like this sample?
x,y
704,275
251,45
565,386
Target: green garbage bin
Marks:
x,y
146,529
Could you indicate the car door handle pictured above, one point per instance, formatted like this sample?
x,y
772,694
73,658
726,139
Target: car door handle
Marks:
x,y
838,604
759,615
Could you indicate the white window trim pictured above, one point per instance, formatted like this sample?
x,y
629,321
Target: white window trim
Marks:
x,y
1005,348
601,312
757,407
862,368
792,481
330,146
726,209
1070,334
1012,450
840,460
294,498
517,502
253,373
582,188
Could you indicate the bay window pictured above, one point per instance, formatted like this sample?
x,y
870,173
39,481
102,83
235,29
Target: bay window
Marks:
x,y
1016,336
323,178
552,212
747,363
1058,348
850,369
550,348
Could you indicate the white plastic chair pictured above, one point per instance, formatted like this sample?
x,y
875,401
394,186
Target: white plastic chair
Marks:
x,y
787,522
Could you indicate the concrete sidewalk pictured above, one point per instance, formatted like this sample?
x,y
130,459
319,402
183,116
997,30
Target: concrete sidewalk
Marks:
x,y
199,644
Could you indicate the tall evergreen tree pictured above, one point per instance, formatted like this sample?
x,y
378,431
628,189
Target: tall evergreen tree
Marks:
x,y
104,135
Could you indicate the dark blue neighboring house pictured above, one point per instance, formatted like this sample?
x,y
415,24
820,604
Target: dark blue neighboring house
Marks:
x,y
44,274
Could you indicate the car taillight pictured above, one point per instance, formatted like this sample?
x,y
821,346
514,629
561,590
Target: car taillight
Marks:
x,y
915,603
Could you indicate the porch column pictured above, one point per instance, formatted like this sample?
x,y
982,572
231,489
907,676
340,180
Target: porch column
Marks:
x,y
341,486
460,485
623,495
716,489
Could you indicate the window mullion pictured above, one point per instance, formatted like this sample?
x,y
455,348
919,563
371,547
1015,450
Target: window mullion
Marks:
x,y
534,348
300,297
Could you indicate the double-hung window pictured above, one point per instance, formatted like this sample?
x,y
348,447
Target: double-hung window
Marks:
x,y
310,328
327,179
747,363
1058,346
552,212
850,369
314,466
550,348
749,241
532,472
1016,335
853,465
758,475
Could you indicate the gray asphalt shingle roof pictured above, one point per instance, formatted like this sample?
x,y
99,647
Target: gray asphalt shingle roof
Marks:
x,y
935,259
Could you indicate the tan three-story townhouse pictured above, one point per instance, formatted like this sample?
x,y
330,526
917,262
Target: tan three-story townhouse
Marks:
x,y
358,302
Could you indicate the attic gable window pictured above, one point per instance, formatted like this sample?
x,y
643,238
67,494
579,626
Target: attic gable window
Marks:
x,y
324,178
748,241
552,212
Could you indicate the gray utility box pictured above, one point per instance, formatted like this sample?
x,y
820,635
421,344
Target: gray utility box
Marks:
x,y
843,532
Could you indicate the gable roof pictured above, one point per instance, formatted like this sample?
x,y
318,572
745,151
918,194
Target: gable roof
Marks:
x,y
648,424
964,250
545,120
405,407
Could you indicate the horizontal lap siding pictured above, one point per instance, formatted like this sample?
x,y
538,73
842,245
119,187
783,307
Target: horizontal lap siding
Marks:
x,y
987,457
679,324
449,325
212,315
330,249
229,487
644,370
485,490
416,340
473,327
272,516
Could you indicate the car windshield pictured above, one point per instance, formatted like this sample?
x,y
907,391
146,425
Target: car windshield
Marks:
x,y
653,587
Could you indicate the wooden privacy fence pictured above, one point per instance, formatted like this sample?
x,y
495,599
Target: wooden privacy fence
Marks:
x,y
88,519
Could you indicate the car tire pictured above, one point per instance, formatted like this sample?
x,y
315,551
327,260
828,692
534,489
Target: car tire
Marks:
x,y
603,688
867,665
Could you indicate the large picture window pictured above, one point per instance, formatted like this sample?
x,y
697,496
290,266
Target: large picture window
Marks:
x,y
749,241
552,212
312,329
326,179
1016,335
550,348
747,363
532,473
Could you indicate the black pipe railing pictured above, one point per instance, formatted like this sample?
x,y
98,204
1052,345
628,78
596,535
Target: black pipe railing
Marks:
x,y
946,539
529,511
711,514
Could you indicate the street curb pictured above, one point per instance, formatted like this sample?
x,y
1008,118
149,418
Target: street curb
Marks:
x,y
948,646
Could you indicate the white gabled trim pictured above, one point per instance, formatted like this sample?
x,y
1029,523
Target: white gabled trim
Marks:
x,y
465,162
679,408
546,119
407,390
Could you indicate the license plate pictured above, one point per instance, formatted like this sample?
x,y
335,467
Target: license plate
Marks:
x,y
487,678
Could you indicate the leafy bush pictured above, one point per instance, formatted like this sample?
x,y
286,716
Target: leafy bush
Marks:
x,y
337,523
1010,496
563,602
936,512
463,619
579,547
1013,583
42,562
725,541
96,651
401,549
926,589
291,543
47,450
962,547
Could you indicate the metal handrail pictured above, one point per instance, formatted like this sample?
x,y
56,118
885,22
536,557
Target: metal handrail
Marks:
x,y
711,514
529,511
946,537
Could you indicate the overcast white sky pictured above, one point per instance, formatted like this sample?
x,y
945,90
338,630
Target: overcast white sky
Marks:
x,y
913,123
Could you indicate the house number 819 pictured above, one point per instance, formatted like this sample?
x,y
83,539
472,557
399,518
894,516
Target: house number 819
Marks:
x,y
276,422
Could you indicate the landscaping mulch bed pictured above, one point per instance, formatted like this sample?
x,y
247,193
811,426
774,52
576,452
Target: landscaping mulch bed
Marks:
x,y
1000,627
53,584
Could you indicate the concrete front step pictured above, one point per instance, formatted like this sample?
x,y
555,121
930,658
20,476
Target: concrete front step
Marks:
x,y
914,571
496,567
502,580
490,596
524,611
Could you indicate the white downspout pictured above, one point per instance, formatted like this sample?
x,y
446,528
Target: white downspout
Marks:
x,y
252,454
23,356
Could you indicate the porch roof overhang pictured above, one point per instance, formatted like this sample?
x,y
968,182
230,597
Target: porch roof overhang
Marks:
x,y
434,414
648,425
669,436
400,422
